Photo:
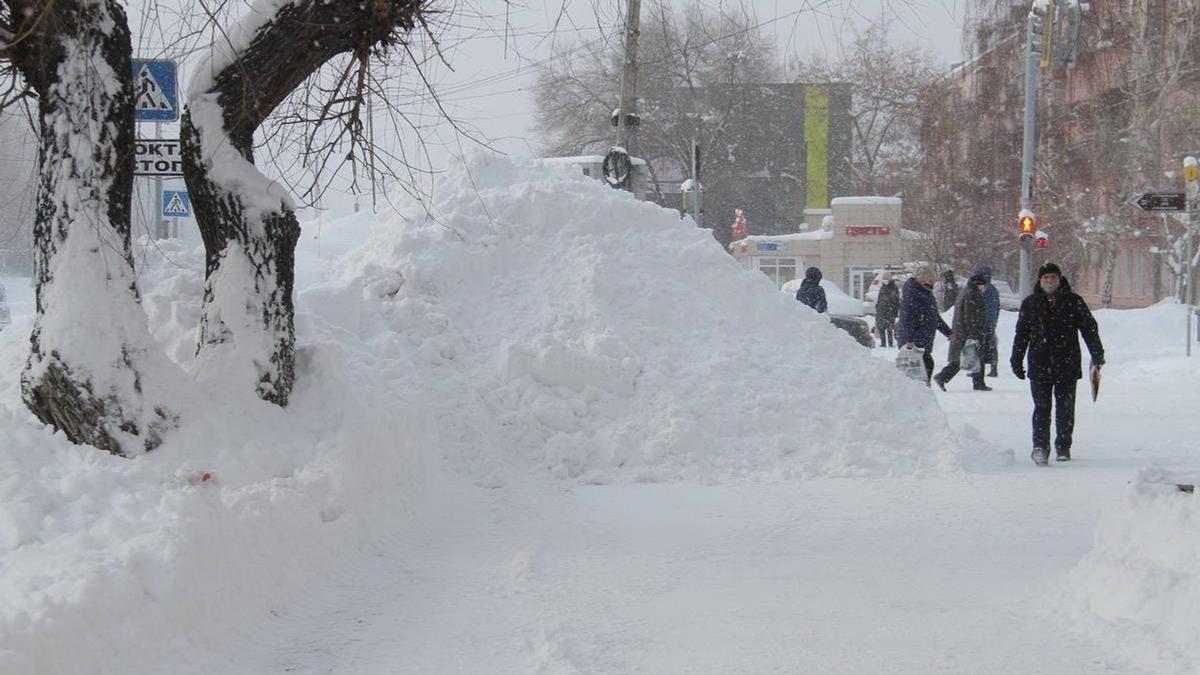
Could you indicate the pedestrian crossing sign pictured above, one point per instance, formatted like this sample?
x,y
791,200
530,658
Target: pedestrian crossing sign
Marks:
x,y
176,204
155,91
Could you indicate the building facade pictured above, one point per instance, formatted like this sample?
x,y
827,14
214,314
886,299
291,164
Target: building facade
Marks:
x,y
1116,115
848,242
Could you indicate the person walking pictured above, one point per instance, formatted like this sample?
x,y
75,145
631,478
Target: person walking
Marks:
x,y
810,291
887,308
1048,328
947,291
970,323
919,317
991,297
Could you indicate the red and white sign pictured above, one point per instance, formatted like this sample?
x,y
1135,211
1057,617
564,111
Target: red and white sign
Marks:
x,y
860,231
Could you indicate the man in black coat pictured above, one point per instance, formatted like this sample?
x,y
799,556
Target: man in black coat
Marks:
x,y
919,317
1052,319
887,308
810,292
970,323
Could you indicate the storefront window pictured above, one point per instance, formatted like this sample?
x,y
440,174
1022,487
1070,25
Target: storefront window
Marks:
x,y
858,280
781,270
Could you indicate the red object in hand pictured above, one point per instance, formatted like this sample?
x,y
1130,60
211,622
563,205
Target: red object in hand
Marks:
x,y
206,476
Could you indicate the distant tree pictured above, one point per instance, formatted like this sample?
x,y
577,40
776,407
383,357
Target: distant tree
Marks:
x,y
888,81
700,72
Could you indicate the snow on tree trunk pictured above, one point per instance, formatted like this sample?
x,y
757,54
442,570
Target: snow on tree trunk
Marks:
x,y
247,220
91,352
250,232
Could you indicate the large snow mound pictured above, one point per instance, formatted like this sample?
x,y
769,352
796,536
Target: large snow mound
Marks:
x,y
1139,586
554,323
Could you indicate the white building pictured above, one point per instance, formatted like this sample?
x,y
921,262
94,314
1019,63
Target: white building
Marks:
x,y
848,242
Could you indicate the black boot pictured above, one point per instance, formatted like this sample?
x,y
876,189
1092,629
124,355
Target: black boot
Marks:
x,y
1063,454
980,385
992,372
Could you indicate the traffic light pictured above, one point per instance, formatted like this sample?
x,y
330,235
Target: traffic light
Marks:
x,y
1026,224
1036,28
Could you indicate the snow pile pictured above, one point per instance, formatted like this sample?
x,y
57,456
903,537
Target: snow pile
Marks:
x,y
1139,586
557,324
536,323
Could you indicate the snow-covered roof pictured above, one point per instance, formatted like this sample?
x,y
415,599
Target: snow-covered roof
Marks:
x,y
585,159
849,201
815,235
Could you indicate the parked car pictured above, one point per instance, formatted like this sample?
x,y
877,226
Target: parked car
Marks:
x,y
844,311
1008,299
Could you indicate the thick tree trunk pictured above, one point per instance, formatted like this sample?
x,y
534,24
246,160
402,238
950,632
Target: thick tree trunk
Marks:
x,y
86,373
250,239
247,221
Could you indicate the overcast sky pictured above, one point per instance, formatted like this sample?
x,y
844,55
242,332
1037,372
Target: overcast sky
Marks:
x,y
494,55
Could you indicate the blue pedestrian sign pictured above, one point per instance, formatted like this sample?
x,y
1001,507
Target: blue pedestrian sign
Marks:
x,y
176,204
155,91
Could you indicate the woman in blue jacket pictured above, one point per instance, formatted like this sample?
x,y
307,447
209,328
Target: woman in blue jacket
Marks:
x,y
919,316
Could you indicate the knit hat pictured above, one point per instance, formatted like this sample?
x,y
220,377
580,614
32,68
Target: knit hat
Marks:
x,y
1049,268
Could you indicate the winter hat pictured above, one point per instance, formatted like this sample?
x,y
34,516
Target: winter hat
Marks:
x,y
1049,268
924,272
813,274
985,272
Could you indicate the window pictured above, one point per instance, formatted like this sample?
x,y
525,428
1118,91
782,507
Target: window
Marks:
x,y
857,280
781,270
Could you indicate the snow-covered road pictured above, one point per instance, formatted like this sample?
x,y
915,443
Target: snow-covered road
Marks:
x,y
942,575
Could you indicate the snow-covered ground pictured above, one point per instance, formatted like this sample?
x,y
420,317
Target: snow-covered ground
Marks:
x,y
545,428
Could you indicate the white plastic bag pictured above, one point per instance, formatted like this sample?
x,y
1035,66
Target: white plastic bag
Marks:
x,y
969,359
911,362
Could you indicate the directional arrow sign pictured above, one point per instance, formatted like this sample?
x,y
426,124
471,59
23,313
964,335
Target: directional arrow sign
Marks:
x,y
1160,201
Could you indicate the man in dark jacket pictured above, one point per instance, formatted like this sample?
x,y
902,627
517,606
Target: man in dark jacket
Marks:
x,y
970,323
919,317
810,292
887,308
991,298
1052,319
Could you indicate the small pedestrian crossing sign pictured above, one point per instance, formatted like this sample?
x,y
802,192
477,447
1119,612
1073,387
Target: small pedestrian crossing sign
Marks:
x,y
155,91
176,204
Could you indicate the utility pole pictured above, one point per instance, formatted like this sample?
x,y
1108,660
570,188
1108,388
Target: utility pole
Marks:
x,y
627,121
1035,34
1190,174
697,188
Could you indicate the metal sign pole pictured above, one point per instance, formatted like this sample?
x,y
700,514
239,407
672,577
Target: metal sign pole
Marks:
x,y
159,224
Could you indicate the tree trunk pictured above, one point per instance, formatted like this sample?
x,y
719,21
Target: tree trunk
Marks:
x,y
1110,266
247,221
90,349
249,241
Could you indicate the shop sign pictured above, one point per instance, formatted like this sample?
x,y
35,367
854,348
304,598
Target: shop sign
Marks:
x,y
860,231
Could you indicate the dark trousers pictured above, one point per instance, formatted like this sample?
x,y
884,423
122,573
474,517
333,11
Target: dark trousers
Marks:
x,y
952,369
928,358
887,333
1062,394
